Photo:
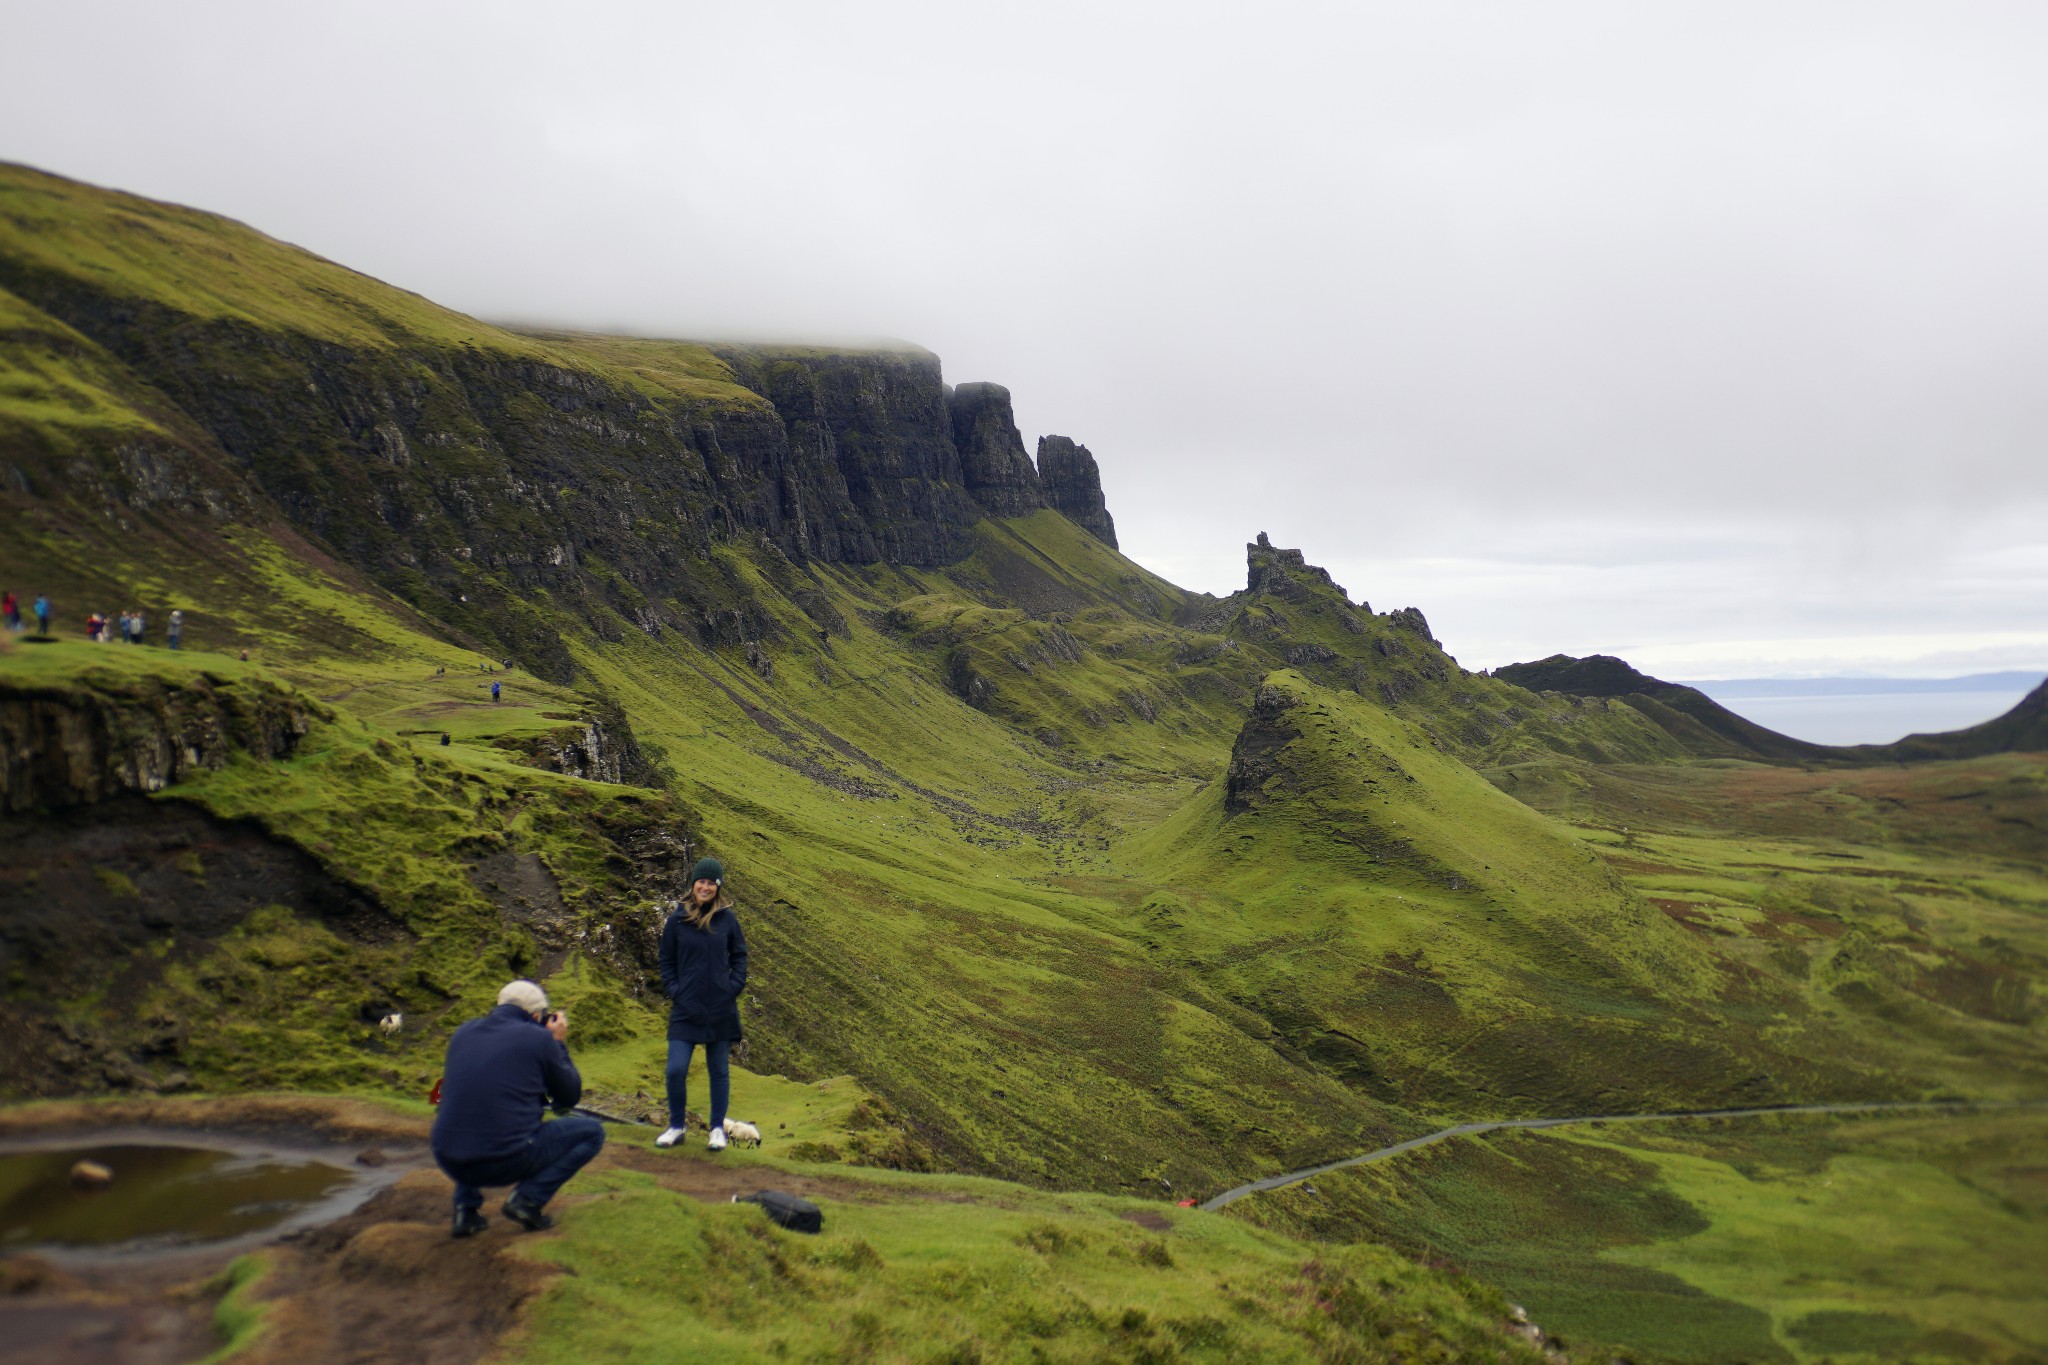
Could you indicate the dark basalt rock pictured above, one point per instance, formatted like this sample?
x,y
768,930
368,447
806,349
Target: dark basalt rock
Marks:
x,y
1073,486
1255,756
1411,619
62,748
999,475
466,480
871,472
1284,573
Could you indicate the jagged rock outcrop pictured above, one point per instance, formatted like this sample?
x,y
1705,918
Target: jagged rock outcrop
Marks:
x,y
1411,619
1284,573
1072,485
73,747
593,753
1255,755
998,474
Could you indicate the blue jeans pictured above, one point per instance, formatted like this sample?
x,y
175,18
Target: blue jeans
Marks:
x,y
717,1058
559,1150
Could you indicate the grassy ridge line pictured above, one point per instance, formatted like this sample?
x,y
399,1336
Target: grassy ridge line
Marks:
x,y
213,270
1421,934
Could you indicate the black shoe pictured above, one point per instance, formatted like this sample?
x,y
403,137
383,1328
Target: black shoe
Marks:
x,y
468,1223
528,1216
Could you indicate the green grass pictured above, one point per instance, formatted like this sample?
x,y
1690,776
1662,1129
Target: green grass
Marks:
x,y
1909,1237
952,1269
1788,1239
238,1316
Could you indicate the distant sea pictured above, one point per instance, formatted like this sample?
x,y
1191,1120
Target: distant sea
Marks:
x,y
1869,710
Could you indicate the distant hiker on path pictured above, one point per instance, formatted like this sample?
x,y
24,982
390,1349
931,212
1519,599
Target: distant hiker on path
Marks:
x,y
500,1070
42,616
10,608
703,971
494,692
135,624
177,627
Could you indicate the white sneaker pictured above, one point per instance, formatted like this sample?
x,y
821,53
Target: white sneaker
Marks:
x,y
717,1143
669,1138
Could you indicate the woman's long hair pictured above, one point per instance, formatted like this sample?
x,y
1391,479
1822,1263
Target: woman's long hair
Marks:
x,y
698,915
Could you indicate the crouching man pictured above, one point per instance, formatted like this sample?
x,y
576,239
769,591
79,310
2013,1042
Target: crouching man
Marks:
x,y
501,1069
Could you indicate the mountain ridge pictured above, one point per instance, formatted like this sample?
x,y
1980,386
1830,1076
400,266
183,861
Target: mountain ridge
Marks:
x,y
1710,729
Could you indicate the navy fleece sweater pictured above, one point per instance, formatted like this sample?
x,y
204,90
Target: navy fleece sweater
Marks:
x,y
501,1070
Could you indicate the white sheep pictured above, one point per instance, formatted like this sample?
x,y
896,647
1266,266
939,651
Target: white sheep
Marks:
x,y
391,1023
736,1131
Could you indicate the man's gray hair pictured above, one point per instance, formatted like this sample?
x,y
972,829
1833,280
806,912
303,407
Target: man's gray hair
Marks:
x,y
526,995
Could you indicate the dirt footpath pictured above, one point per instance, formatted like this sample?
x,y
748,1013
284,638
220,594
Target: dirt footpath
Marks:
x,y
383,1283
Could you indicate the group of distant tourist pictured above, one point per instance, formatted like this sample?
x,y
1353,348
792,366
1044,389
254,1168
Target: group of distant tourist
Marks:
x,y
505,1067
130,627
10,612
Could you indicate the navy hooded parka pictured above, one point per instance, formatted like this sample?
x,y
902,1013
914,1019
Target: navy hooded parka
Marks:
x,y
703,972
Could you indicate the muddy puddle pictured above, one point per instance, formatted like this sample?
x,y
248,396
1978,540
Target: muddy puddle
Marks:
x,y
166,1193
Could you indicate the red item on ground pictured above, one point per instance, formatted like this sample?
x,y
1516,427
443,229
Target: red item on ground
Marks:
x,y
1185,1203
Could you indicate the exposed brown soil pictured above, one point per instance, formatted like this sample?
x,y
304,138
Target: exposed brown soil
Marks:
x,y
51,1317
1688,914
389,1284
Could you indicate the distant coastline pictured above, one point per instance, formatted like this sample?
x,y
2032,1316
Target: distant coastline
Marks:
x,y
1870,710
1721,689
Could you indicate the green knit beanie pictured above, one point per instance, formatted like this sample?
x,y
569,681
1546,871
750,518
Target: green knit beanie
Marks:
x,y
708,870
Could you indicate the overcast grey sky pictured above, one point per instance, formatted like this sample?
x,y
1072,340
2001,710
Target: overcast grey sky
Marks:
x,y
1712,335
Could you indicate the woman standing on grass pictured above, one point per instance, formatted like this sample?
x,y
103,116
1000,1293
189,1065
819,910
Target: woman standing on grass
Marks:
x,y
703,971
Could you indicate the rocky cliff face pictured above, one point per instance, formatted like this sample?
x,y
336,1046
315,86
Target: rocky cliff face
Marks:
x,y
867,471
999,475
465,480
1073,486
228,378
63,748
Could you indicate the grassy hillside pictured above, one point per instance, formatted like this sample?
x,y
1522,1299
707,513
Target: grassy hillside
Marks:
x,y
1084,880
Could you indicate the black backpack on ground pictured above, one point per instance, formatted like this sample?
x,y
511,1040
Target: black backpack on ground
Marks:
x,y
798,1215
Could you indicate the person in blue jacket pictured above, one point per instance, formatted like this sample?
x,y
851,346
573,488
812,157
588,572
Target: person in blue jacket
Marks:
x,y
703,971
501,1070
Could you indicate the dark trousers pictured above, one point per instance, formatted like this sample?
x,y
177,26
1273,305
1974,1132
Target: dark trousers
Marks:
x,y
717,1060
559,1150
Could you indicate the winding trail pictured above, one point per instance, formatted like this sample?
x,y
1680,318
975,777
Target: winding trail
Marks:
x,y
1274,1182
